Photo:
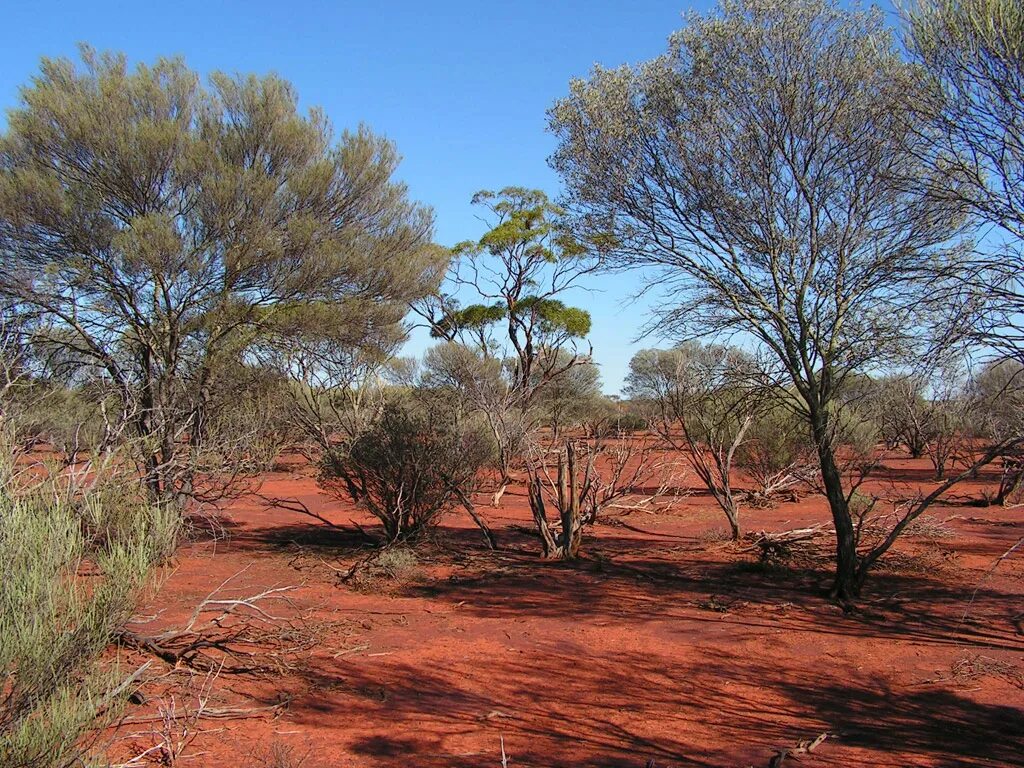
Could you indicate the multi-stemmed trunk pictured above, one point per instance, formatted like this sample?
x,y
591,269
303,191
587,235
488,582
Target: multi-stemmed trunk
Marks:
x,y
571,493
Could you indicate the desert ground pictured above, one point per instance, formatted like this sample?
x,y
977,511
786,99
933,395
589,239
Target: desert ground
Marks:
x,y
665,645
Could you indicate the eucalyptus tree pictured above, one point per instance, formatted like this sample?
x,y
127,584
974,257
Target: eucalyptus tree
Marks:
x,y
155,228
519,269
767,172
519,272
972,52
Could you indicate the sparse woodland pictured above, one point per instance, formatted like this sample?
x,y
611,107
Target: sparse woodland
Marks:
x,y
204,297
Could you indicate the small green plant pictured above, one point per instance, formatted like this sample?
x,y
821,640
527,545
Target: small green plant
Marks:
x,y
73,571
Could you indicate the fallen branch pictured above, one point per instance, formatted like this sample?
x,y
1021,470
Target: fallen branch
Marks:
x,y
781,543
802,747
234,635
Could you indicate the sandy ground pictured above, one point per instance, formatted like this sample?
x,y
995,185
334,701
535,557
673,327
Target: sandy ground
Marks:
x,y
664,646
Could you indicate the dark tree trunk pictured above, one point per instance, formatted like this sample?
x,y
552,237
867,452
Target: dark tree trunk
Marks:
x,y
845,587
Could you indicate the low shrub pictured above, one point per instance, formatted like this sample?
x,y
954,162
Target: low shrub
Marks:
x,y
413,466
73,572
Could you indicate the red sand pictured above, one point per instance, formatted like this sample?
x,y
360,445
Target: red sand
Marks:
x,y
662,645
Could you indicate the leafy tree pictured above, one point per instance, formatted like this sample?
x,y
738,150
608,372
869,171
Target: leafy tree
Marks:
x,y
155,230
768,169
519,269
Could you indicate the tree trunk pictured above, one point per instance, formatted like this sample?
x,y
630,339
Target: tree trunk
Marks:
x,y
845,587
485,529
540,518
734,526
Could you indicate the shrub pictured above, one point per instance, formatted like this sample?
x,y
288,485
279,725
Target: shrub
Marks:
x,y
56,623
778,453
410,468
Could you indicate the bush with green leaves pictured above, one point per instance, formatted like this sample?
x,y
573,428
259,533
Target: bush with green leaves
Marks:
x,y
414,465
74,567
778,453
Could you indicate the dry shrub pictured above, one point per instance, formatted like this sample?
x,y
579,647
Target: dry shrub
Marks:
x,y
930,560
278,754
930,527
714,536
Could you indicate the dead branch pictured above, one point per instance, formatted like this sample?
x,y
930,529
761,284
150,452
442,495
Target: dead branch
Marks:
x,y
802,747
781,544
234,635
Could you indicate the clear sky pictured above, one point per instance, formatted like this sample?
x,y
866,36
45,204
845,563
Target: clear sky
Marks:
x,y
461,87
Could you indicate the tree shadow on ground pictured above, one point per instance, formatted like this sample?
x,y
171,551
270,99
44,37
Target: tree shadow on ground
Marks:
x,y
562,709
650,585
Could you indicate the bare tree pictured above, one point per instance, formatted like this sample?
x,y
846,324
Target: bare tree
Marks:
x,y
768,167
588,477
946,420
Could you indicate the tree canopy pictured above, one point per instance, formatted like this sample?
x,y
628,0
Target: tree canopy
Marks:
x,y
152,227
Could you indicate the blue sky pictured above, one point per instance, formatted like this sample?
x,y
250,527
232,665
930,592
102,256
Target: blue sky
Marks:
x,y
461,87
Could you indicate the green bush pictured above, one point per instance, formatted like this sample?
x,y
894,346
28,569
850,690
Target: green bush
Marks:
x,y
73,570
414,465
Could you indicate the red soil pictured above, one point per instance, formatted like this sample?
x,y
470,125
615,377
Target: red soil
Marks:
x,y
664,644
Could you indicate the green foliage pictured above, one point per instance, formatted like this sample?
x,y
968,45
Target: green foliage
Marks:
x,y
528,223
155,230
708,391
56,623
410,468
476,318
